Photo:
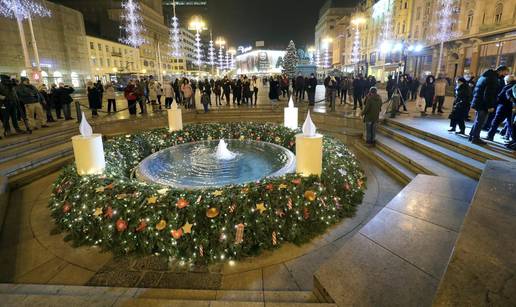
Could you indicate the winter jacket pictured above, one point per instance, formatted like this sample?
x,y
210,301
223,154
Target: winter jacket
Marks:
x,y
462,102
300,83
109,91
486,91
505,95
187,90
440,87
94,98
27,93
153,91
61,96
372,108
168,90
311,84
427,90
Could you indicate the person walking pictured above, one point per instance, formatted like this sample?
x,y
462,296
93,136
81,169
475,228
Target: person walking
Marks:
x,y
109,91
61,96
371,114
460,107
168,91
427,92
484,99
440,93
311,87
503,109
94,98
31,99
130,95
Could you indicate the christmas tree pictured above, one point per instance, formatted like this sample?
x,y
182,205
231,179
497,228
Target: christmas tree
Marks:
x,y
132,24
290,60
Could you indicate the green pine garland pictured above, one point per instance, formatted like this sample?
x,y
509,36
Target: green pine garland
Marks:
x,y
124,215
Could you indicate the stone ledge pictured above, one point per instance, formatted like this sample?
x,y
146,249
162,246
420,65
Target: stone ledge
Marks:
x,y
4,199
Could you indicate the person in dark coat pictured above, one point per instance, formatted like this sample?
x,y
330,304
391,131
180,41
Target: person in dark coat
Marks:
x,y
246,91
460,106
391,84
9,105
218,92
344,87
358,91
404,88
427,92
94,98
371,114
414,86
273,89
207,89
484,100
311,86
300,87
227,85
503,109
61,96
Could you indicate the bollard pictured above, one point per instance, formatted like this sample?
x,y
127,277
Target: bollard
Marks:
x,y
78,111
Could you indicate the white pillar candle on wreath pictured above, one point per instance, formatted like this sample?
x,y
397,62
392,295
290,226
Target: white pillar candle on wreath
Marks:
x,y
88,150
175,118
309,149
290,115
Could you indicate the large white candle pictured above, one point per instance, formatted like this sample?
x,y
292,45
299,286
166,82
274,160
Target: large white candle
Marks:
x,y
290,115
309,149
175,118
88,150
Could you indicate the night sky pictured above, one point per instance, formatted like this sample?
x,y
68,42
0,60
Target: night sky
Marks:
x,y
242,22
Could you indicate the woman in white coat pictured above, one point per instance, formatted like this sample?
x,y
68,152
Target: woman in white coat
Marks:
x,y
168,90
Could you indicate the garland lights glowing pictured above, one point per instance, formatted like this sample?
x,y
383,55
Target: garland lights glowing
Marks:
x,y
175,34
22,9
121,214
132,24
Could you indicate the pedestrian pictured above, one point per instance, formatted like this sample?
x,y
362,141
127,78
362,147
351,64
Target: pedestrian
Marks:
x,y
300,87
371,114
440,93
109,91
503,109
168,91
254,85
62,96
187,90
332,92
141,92
32,100
226,87
56,104
43,91
391,84
246,91
177,90
311,87
344,87
207,89
94,98
427,92
485,98
218,92
274,89
414,86
358,90
130,95
159,93
460,107
9,105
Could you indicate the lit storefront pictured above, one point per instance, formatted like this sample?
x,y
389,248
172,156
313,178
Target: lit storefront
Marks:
x,y
260,62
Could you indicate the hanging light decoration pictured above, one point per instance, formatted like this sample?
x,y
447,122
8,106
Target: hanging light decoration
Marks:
x,y
232,52
221,42
198,25
227,63
355,52
211,52
443,31
175,34
317,58
23,9
132,24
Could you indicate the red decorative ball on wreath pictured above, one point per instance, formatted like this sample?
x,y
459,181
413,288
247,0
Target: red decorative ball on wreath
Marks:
x,y
121,225
176,234
67,207
182,203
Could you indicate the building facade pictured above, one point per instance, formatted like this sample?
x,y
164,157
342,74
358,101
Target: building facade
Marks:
x,y
60,41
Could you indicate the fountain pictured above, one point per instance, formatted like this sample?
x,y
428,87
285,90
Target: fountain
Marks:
x,y
223,152
208,164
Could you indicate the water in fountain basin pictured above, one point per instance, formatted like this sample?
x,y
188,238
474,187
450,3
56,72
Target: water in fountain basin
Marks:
x,y
223,153
196,165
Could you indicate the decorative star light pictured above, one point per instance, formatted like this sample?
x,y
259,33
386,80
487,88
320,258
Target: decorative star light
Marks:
x,y
261,207
132,24
187,227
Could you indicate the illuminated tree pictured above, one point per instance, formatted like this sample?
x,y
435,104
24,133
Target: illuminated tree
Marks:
x,y
132,24
290,61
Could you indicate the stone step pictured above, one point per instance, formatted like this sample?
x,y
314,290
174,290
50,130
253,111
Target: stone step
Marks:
x,y
412,158
491,151
35,159
46,141
396,169
37,136
459,161
23,293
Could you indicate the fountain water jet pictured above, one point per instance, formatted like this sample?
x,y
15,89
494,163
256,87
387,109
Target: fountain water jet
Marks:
x,y
223,153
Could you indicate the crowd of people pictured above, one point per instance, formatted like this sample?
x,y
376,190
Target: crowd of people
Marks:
x,y
22,101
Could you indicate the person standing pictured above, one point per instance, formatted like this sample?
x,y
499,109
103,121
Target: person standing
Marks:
x,y
109,91
168,90
484,99
226,87
254,85
414,86
31,99
43,91
207,90
311,87
177,90
503,109
153,94
300,87
344,87
391,84
130,95
9,105
159,93
187,90
246,91
273,89
237,93
218,92
427,92
358,90
141,95
440,93
332,92
371,114
94,98
460,107
61,96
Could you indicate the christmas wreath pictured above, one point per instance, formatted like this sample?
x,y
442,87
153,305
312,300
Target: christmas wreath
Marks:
x,y
124,215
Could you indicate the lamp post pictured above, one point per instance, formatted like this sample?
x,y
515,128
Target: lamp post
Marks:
x,y
221,42
198,25
356,22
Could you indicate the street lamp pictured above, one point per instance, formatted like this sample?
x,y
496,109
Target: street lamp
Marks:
x,y
221,42
198,25
356,22
326,44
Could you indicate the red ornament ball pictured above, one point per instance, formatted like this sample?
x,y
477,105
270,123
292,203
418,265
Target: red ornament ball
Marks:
x,y
176,234
67,207
121,225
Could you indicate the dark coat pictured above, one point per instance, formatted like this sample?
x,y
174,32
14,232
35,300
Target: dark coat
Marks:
x,y
311,84
461,104
486,91
428,90
273,90
300,83
372,108
61,96
94,98
27,93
